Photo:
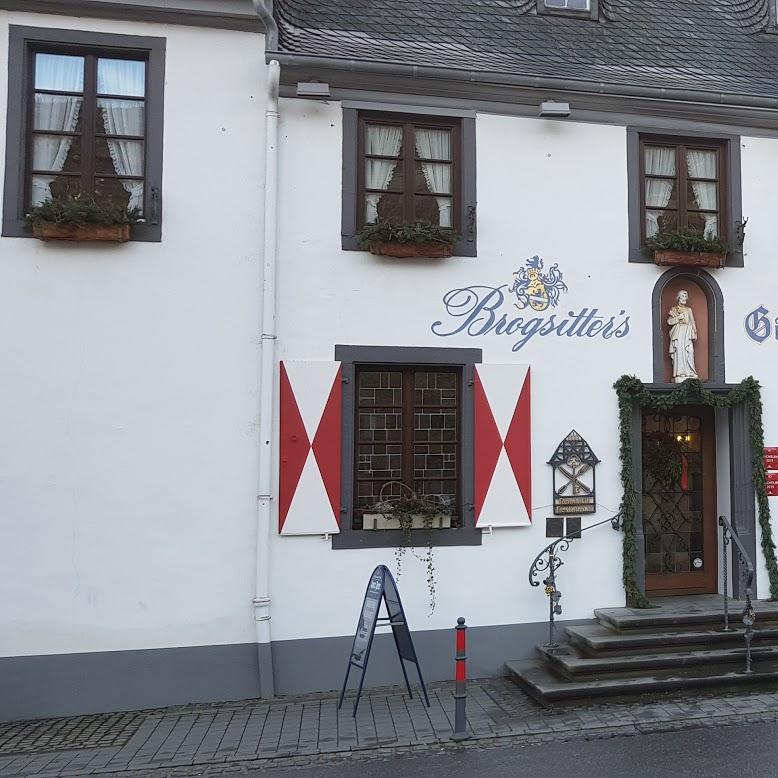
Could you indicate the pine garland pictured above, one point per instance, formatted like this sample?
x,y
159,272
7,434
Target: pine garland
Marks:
x,y
630,390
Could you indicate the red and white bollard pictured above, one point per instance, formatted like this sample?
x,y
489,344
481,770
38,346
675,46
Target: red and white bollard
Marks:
x,y
460,689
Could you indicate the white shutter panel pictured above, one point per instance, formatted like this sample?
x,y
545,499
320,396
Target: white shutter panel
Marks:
x,y
310,448
503,446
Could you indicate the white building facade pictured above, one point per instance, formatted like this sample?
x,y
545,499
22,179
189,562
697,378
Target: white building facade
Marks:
x,y
203,426
130,403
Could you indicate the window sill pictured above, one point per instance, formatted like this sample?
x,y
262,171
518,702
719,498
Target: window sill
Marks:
x,y
139,233
420,538
734,258
462,248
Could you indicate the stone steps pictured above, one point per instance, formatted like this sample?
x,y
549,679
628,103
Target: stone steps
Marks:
x,y
569,663
596,639
540,682
679,644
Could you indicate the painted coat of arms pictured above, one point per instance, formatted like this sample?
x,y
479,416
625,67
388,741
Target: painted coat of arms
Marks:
x,y
534,288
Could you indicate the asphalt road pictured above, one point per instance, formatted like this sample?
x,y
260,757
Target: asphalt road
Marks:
x,y
743,751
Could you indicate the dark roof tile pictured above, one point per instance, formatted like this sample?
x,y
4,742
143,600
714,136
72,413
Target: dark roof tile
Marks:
x,y
714,45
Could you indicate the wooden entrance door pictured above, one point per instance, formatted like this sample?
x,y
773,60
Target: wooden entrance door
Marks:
x,y
679,501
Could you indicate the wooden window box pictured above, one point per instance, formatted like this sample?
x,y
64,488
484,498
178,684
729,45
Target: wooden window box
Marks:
x,y
379,521
115,233
405,250
690,259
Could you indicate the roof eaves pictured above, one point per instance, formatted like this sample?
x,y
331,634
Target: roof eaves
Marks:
x,y
603,87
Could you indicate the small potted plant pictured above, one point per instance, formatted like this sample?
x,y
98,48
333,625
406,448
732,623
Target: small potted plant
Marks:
x,y
82,220
687,247
419,239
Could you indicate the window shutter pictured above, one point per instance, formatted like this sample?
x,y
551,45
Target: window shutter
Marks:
x,y
310,448
503,446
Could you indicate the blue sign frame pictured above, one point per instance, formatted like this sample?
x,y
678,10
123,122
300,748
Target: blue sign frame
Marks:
x,y
381,586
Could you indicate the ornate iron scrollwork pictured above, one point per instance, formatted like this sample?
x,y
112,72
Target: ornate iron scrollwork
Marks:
x,y
549,560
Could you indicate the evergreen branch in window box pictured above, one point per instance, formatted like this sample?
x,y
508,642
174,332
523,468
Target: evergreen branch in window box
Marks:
x,y
81,220
687,248
419,239
410,511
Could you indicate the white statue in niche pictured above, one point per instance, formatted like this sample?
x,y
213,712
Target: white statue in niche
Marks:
x,y
683,333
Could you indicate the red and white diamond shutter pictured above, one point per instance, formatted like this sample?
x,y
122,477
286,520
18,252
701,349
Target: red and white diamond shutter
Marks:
x,y
503,446
310,448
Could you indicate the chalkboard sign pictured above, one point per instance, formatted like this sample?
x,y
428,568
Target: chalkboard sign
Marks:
x,y
381,586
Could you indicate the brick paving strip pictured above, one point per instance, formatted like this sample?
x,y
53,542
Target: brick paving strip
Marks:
x,y
235,737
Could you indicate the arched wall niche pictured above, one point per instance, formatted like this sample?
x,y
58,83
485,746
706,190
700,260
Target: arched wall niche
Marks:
x,y
707,303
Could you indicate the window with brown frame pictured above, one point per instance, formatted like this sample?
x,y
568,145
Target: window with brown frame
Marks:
x,y
409,171
87,128
407,437
682,185
84,118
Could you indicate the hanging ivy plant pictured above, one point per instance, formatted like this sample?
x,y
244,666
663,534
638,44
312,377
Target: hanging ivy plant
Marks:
x,y
408,509
631,391
662,459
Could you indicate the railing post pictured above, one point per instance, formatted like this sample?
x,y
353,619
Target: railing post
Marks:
x,y
554,596
748,621
725,539
460,689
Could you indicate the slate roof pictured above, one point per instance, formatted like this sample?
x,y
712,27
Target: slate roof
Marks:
x,y
710,45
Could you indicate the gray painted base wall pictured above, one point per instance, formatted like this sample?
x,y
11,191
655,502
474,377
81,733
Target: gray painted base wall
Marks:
x,y
67,684
319,664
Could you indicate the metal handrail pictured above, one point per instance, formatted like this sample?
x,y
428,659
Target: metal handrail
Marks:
x,y
552,562
749,616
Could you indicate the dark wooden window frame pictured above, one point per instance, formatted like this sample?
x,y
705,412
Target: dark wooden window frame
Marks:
x,y
733,189
682,178
88,134
408,159
24,43
408,411
433,358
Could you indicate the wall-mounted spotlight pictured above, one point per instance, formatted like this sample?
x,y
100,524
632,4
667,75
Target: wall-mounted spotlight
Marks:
x,y
550,109
314,90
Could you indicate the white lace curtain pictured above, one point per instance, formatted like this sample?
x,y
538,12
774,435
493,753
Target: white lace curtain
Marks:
x,y
702,164
658,162
124,117
384,142
436,144
58,113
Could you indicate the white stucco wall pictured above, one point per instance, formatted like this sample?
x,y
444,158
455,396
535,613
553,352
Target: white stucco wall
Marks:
x,y
129,374
556,189
129,386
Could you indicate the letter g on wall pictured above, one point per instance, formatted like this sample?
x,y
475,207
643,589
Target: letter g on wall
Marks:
x,y
758,326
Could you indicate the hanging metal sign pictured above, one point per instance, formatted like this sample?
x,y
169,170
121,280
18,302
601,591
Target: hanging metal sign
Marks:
x,y
574,477
381,587
771,458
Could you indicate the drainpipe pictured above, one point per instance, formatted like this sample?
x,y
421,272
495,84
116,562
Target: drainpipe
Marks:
x,y
261,599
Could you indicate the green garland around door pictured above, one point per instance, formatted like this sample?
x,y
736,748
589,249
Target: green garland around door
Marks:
x,y
631,391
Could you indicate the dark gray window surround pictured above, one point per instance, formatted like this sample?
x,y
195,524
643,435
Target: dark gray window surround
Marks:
x,y
467,244
350,356
592,13
734,193
24,40
716,366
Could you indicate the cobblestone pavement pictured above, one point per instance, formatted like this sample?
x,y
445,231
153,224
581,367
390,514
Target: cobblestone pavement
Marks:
x,y
244,737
